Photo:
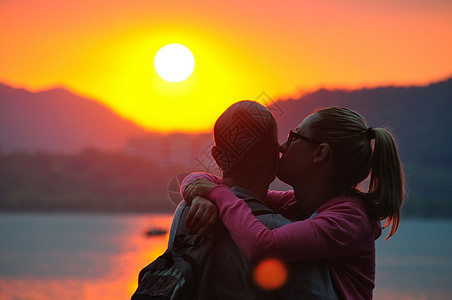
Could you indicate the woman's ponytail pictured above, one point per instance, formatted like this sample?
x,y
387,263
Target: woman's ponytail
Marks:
x,y
350,140
386,188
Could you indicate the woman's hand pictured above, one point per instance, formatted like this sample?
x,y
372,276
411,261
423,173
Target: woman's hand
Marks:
x,y
202,215
199,187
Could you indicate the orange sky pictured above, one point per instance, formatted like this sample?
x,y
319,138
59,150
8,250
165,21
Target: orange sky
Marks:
x,y
105,50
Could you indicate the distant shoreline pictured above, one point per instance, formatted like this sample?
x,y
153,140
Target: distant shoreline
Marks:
x,y
161,212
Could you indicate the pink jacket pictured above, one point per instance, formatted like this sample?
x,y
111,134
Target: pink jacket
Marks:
x,y
341,232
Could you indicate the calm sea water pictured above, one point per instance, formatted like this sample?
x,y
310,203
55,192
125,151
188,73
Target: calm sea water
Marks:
x,y
64,256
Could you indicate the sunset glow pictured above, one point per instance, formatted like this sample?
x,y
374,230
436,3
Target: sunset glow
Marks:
x,y
105,51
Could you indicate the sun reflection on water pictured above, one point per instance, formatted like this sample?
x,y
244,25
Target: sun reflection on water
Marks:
x,y
120,267
83,257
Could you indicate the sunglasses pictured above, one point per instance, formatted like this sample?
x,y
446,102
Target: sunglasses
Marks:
x,y
294,136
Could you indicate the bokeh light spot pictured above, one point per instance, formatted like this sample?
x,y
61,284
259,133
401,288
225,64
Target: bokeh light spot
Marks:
x,y
270,274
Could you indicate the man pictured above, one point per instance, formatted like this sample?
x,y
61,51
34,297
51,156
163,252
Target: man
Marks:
x,y
247,151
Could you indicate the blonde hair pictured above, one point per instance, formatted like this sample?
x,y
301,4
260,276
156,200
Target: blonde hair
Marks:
x,y
350,141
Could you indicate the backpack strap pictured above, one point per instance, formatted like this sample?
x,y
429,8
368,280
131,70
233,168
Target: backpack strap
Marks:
x,y
257,207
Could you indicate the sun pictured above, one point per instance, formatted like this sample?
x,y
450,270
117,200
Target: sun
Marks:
x,y
174,62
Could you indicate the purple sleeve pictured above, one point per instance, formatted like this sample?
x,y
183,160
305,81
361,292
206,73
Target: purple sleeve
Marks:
x,y
283,202
193,176
332,233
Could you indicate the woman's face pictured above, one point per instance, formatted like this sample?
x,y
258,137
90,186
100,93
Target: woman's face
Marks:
x,y
296,160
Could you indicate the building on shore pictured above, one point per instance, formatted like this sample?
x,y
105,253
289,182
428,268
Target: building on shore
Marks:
x,y
189,151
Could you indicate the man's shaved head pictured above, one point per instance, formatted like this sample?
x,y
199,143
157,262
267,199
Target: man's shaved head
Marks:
x,y
244,132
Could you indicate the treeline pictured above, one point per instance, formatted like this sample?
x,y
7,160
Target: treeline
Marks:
x,y
428,190
88,181
112,182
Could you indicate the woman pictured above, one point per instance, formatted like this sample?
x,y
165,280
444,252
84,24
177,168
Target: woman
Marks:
x,y
324,161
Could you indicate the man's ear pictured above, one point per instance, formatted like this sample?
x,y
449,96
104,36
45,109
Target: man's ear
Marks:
x,y
322,153
222,158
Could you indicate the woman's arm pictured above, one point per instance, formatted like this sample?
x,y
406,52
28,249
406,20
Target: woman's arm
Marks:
x,y
194,176
332,233
202,214
281,202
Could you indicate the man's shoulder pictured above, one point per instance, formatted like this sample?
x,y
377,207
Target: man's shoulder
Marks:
x,y
258,207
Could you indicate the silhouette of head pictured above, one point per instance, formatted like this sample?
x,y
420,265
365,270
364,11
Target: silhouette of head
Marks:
x,y
341,134
246,139
335,143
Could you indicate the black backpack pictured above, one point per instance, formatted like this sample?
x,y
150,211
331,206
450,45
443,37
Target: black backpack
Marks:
x,y
178,274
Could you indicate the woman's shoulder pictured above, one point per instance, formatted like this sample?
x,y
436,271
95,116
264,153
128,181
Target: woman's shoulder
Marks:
x,y
350,208
344,202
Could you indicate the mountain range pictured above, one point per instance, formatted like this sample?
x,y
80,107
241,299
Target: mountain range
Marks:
x,y
418,116
59,121
420,119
